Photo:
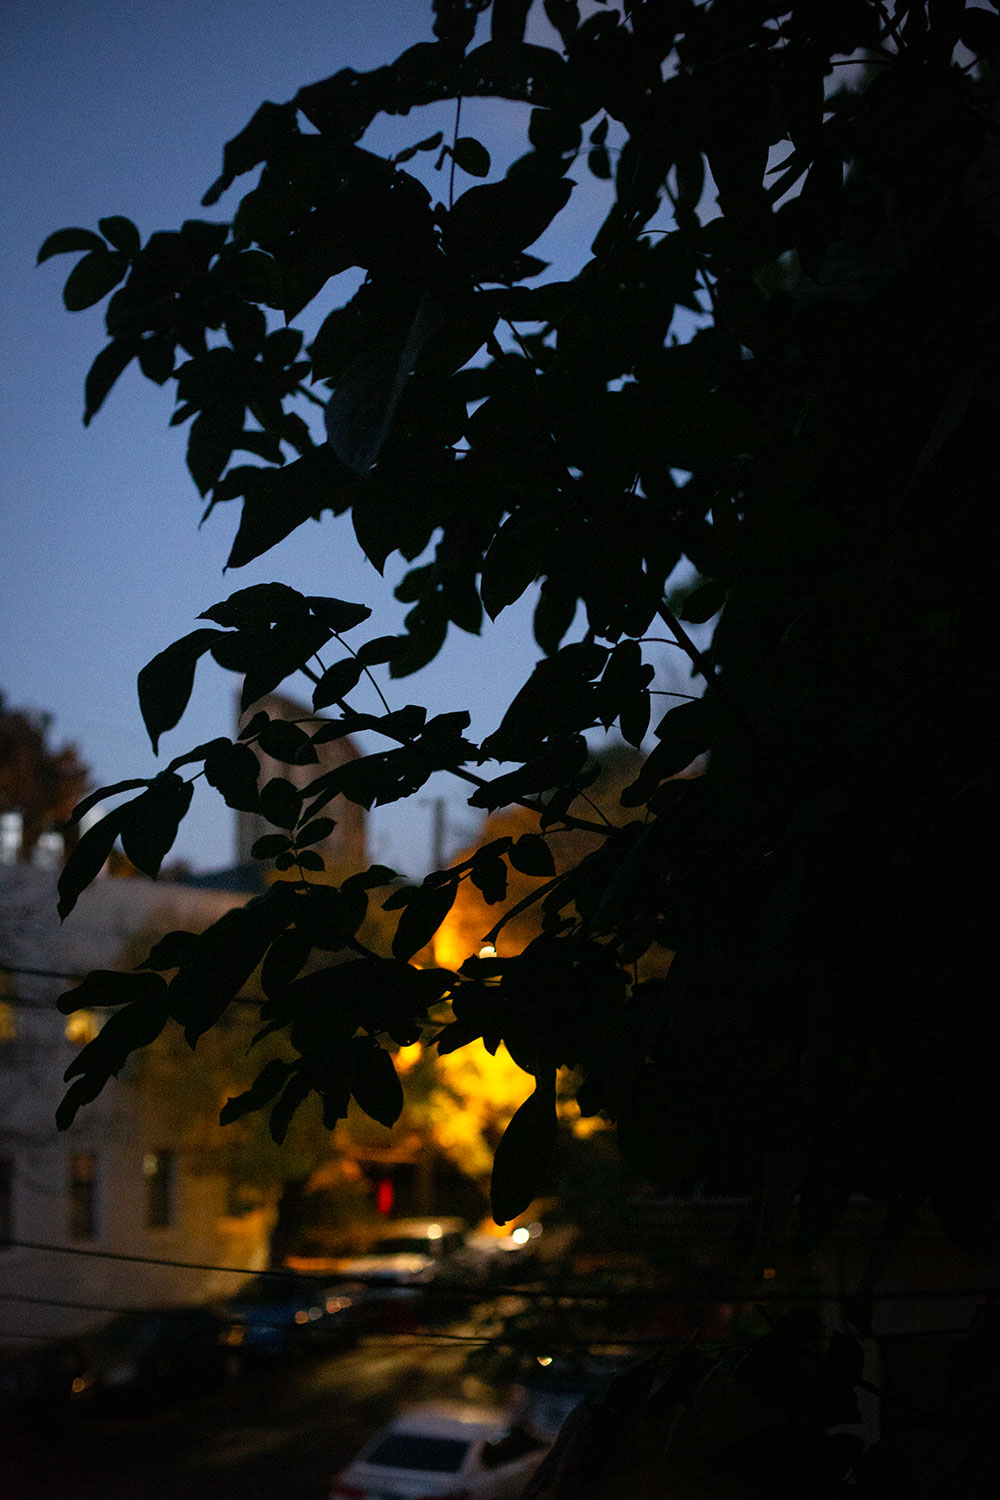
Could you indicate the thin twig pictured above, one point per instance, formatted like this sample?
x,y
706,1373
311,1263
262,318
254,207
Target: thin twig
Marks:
x,y
454,139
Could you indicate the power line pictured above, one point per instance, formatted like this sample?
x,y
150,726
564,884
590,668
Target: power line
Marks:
x,y
148,1260
40,973
558,1293
28,1004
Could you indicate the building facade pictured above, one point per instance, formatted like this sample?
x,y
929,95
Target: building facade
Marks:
x,y
139,1173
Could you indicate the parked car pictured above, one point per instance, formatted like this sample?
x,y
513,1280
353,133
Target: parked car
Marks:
x,y
406,1259
281,1312
153,1354
38,1379
552,1388
505,1257
438,1451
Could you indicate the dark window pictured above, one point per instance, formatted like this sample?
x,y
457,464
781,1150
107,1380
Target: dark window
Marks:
x,y
411,1450
240,1198
6,1201
82,1195
158,1169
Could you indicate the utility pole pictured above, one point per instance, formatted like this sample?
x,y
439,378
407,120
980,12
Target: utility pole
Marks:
x,y
437,830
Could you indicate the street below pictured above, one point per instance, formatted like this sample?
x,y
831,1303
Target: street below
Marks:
x,y
280,1431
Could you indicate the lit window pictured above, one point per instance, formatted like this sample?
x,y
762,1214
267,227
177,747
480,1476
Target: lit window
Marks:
x,y
158,1168
82,1190
8,1023
49,852
81,1027
11,828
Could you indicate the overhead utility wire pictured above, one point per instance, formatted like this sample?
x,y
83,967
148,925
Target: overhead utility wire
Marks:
x,y
660,1293
72,979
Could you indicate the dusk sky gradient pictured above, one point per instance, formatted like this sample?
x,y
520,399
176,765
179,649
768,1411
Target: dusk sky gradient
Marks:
x,y
118,108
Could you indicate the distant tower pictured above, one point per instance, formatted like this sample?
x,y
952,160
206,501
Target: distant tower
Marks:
x,y
344,848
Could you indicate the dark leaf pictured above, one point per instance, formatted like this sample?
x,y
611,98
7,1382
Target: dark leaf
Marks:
x,y
260,604
374,876
338,615
172,950
633,716
312,833
233,770
507,20
980,31
106,987
405,723
103,373
228,952
278,653
337,729
297,1090
93,277
80,1092
121,233
523,1153
165,683
271,127
287,742
263,1089
704,602
150,827
554,766
599,162
308,859
554,614
359,414
211,441
531,855
471,156
336,682
269,845
374,1083
285,958
420,646
134,1026
65,241
423,914
457,1034
254,725
489,875
188,757
280,500
512,563
431,143
490,225
280,802
93,798
87,858
156,359
378,650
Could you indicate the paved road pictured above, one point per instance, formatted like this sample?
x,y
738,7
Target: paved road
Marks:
x,y
278,1433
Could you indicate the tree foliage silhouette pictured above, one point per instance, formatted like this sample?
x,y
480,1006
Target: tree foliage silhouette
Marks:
x,y
817,186
40,783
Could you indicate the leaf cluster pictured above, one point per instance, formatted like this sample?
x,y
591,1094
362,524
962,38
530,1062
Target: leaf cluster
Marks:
x,y
760,369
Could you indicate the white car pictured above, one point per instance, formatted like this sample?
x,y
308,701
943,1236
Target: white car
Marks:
x,y
443,1453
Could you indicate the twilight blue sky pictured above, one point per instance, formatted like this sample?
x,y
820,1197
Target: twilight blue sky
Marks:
x,y
121,107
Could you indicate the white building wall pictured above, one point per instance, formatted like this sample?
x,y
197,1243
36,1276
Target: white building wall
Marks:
x,y
121,1128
